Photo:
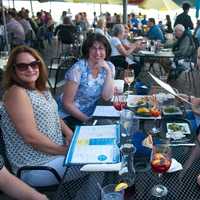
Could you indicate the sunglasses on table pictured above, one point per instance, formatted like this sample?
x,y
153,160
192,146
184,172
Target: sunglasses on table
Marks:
x,y
24,66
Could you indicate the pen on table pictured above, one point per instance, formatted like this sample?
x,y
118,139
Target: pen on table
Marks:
x,y
95,122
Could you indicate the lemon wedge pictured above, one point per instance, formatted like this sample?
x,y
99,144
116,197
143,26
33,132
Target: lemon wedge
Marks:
x,y
121,186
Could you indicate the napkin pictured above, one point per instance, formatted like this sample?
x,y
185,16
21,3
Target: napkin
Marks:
x,y
101,167
176,135
175,166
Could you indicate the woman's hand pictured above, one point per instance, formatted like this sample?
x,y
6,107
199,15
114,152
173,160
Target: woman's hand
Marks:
x,y
102,63
195,105
195,101
67,132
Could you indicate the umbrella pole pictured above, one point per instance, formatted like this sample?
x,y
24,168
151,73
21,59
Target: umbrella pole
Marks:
x,y
100,7
125,4
8,3
13,3
31,3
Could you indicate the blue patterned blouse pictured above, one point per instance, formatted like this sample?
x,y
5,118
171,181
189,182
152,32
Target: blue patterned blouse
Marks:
x,y
89,90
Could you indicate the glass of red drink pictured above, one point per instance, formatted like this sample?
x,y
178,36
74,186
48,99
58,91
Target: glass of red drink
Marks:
x,y
160,163
119,102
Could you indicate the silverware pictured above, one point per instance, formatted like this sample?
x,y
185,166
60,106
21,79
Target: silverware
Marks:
x,y
95,122
182,144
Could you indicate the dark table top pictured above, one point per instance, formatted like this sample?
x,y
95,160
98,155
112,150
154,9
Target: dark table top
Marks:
x,y
181,184
184,187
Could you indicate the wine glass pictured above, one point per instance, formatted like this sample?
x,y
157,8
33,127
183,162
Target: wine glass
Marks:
x,y
129,78
119,101
155,112
160,163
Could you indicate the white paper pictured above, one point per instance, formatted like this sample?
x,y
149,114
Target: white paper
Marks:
x,y
94,144
106,111
101,167
104,131
163,84
88,154
175,166
167,87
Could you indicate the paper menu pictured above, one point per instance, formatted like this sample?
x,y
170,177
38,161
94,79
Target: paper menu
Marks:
x,y
102,131
99,154
163,84
106,111
94,144
167,87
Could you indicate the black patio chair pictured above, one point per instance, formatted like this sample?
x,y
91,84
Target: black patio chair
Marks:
x,y
58,80
120,64
66,39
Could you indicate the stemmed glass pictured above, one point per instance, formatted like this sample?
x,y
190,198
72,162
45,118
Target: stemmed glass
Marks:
x,y
119,101
160,163
155,111
129,77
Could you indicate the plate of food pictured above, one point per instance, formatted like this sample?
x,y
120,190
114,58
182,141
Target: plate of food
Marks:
x,y
143,111
135,101
172,110
177,131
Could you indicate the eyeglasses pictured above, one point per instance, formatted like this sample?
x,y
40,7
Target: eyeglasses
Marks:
x,y
24,66
97,49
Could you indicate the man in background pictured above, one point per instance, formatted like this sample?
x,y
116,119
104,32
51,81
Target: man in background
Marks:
x,y
154,32
184,18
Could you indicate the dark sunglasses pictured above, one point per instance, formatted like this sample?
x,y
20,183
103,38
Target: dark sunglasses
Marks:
x,y
24,66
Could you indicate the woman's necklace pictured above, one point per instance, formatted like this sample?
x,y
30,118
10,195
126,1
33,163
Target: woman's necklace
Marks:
x,y
94,69
95,72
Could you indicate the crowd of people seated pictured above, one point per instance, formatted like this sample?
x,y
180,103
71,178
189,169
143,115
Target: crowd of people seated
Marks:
x,y
47,128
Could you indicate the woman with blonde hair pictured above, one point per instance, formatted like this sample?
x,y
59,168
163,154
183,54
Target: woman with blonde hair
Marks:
x,y
32,130
101,28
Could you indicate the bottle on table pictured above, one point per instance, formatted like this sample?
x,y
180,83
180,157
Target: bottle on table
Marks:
x,y
127,172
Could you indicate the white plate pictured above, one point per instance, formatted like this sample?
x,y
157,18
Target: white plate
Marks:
x,y
178,112
166,50
133,99
176,135
185,127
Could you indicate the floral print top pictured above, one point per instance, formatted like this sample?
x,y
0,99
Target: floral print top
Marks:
x,y
89,88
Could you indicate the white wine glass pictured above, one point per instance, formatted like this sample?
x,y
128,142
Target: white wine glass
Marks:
x,y
129,77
